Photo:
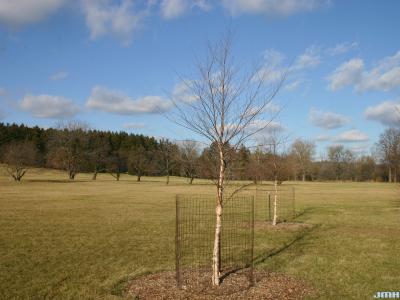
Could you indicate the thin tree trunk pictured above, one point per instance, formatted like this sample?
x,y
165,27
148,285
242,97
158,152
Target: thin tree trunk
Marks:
x,y
275,219
94,177
17,176
390,174
304,176
216,266
167,179
138,178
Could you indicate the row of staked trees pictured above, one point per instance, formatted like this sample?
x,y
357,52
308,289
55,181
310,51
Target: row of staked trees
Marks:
x,y
75,148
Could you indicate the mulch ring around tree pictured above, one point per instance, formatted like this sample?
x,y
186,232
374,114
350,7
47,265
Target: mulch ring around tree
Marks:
x,y
267,285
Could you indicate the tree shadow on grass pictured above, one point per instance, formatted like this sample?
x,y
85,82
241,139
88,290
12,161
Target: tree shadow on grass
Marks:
x,y
306,211
276,251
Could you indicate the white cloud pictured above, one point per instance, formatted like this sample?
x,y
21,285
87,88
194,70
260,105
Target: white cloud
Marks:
x,y
273,57
272,108
347,74
113,101
309,59
182,93
293,85
351,136
274,65
202,4
273,68
269,111
47,106
341,48
260,128
384,76
265,130
134,125
171,9
387,113
103,17
266,127
16,13
327,119
59,75
271,7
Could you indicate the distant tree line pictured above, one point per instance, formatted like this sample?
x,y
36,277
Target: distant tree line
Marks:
x,y
75,148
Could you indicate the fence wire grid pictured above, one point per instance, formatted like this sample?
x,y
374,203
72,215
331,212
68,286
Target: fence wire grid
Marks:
x,y
264,203
195,229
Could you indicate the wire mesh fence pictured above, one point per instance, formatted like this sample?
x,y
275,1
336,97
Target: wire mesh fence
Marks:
x,y
195,229
285,203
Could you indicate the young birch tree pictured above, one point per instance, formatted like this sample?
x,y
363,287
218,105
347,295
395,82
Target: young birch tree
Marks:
x,y
274,141
225,106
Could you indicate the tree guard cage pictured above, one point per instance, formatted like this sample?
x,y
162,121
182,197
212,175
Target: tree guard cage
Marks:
x,y
264,203
195,229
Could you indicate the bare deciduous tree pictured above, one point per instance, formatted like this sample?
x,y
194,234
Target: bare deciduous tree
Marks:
x,y
188,156
19,156
140,160
98,154
341,160
225,106
302,152
257,166
67,147
115,163
168,152
389,148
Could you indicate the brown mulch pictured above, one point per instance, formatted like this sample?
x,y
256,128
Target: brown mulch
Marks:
x,y
235,286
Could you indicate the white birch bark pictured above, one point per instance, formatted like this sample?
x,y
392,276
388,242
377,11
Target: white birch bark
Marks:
x,y
216,266
275,219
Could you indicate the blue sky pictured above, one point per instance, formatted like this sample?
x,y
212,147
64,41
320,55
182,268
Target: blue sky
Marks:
x,y
114,64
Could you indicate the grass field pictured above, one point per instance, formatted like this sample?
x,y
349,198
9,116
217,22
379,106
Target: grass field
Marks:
x,y
86,239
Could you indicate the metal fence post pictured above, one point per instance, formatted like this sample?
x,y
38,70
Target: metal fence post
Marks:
x,y
177,245
269,206
252,243
195,233
294,203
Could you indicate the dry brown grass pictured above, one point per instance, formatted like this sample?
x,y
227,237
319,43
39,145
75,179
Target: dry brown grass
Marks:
x,y
89,239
